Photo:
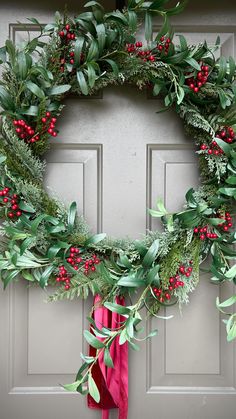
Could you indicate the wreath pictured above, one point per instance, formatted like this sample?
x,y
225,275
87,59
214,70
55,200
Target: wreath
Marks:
x,y
44,243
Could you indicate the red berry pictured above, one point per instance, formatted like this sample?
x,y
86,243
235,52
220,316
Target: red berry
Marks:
x,y
67,27
195,230
5,199
48,114
61,34
93,268
18,213
167,295
10,214
210,151
67,287
202,236
44,120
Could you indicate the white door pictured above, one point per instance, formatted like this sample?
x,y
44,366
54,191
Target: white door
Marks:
x,y
114,156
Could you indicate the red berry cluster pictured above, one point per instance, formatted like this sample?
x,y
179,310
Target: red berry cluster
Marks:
x,y
11,202
195,83
49,124
63,277
69,59
227,218
134,47
75,261
164,44
226,134
25,132
174,282
205,233
214,148
150,55
89,265
67,33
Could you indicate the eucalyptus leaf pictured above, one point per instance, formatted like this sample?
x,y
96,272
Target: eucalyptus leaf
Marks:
x,y
93,390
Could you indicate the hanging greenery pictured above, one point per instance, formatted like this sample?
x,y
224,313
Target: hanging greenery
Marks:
x,y
44,243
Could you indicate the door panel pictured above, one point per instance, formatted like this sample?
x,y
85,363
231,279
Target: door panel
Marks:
x,y
115,156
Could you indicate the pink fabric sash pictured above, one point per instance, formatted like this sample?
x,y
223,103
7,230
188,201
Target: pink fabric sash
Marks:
x,y
112,382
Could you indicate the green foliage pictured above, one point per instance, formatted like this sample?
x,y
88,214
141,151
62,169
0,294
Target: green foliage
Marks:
x,y
34,245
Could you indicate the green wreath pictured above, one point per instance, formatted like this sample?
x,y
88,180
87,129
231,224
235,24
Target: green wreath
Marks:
x,y
45,243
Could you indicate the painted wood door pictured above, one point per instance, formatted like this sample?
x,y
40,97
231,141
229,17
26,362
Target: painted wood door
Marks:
x,y
114,156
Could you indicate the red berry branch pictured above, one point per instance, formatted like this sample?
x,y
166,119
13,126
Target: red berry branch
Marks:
x,y
11,202
29,135
67,33
25,132
206,232
162,47
174,283
75,259
195,83
226,134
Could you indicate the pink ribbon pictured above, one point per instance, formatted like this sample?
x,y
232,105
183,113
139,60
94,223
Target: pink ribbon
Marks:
x,y
112,383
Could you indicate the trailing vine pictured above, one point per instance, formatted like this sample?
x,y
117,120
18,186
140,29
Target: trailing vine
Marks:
x,y
45,243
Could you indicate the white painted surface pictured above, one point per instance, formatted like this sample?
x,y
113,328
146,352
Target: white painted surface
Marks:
x,y
114,156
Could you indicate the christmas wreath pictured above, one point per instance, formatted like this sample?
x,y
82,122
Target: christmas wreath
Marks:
x,y
44,243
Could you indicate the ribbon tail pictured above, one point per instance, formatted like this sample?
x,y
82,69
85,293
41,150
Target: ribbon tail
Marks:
x,y
105,414
112,383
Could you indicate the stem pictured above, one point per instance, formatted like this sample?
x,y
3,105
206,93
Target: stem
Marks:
x,y
99,352
115,334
